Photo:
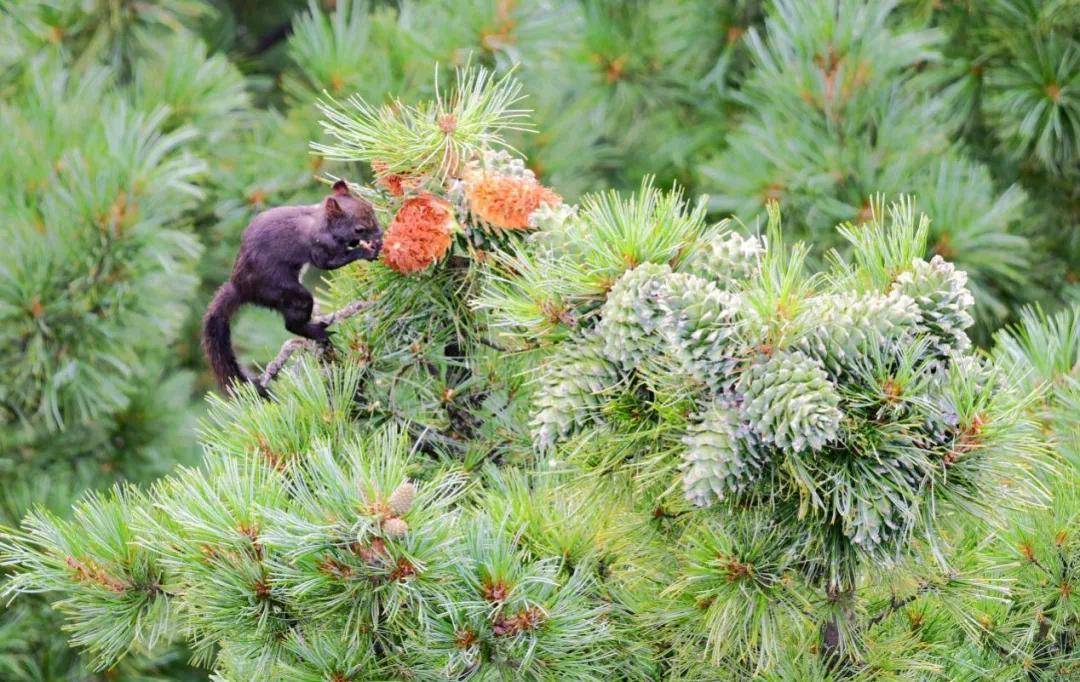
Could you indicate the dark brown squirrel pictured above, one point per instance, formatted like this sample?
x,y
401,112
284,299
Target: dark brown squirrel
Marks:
x,y
275,247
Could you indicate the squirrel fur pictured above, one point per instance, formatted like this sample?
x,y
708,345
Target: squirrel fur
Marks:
x,y
274,249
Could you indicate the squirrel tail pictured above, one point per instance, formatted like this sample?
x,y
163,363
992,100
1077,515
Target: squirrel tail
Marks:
x,y
217,338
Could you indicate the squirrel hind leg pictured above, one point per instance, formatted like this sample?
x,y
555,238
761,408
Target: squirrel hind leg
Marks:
x,y
296,309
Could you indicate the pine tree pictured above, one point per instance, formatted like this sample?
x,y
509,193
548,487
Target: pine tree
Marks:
x,y
843,103
1011,71
608,438
109,110
863,96
830,454
1032,633
356,524
268,571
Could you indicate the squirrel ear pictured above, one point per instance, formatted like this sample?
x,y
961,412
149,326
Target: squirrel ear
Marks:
x,y
341,188
333,209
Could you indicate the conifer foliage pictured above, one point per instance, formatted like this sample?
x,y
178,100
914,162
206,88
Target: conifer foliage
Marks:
x,y
853,96
577,429
713,425
102,165
259,559
841,416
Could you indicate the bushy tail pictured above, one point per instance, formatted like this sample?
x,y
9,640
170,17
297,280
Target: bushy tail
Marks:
x,y
217,338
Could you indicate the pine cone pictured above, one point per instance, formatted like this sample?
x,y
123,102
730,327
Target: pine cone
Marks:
x,y
876,522
503,193
631,317
572,391
846,326
402,498
552,217
701,328
501,163
944,302
790,401
722,456
419,234
394,528
726,259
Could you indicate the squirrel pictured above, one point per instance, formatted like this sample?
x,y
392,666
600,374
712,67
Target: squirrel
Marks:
x,y
276,246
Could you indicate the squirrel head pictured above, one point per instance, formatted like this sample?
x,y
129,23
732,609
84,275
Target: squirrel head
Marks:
x,y
351,220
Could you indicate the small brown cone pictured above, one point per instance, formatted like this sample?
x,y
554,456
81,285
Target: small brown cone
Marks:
x,y
394,528
395,183
401,499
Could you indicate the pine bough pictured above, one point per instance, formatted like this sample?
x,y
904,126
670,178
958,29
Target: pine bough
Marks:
x,y
732,461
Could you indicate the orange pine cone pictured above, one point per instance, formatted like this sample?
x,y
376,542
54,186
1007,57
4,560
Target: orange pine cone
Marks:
x,y
506,202
395,183
419,235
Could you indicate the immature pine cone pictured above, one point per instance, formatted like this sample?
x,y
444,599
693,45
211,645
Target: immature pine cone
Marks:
x,y
574,387
721,456
506,202
631,318
395,528
701,326
402,498
790,401
726,259
940,291
846,326
419,234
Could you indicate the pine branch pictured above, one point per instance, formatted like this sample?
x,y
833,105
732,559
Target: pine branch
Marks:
x,y
290,347
896,603
436,137
348,311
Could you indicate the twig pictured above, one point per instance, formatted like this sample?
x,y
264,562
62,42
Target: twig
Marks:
x,y
290,347
287,350
342,314
896,603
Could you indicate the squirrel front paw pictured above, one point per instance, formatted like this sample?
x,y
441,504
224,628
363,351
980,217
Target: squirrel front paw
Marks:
x,y
317,332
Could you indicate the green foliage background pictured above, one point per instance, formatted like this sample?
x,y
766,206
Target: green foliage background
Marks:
x,y
140,137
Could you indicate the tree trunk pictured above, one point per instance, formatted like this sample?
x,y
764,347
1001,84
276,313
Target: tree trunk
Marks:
x,y
833,646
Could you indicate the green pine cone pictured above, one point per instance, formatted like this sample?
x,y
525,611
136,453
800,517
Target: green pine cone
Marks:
x,y
726,259
847,325
552,218
940,291
572,392
501,163
701,328
722,456
876,523
790,401
633,313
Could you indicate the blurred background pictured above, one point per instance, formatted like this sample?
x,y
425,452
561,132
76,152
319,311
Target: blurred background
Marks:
x,y
138,138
